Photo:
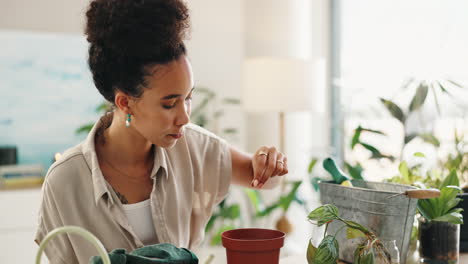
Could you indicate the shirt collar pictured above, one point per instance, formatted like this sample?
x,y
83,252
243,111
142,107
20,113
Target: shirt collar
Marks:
x,y
89,152
159,162
99,183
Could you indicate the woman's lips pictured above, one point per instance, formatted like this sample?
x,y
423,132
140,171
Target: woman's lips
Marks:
x,y
176,136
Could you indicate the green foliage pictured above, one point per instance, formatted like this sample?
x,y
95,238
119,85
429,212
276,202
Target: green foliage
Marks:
x,y
283,202
200,112
102,108
227,214
324,214
442,208
370,252
216,239
327,252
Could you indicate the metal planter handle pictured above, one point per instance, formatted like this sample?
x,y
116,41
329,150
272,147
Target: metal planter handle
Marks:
x,y
77,230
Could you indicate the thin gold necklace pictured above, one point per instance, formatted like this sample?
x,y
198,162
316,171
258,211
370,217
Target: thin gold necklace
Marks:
x,y
125,174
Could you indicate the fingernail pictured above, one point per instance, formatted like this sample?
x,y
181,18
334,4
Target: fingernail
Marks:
x,y
255,183
260,186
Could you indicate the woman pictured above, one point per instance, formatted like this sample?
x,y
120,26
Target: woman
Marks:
x,y
144,175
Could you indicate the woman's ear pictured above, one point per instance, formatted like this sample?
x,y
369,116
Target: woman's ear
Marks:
x,y
123,102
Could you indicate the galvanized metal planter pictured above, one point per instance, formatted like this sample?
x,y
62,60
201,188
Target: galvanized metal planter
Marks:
x,y
371,204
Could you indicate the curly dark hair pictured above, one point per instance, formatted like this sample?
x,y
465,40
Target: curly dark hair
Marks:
x,y
128,36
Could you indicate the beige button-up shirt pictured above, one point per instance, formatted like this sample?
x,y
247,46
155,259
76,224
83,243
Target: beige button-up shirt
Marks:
x,y
189,180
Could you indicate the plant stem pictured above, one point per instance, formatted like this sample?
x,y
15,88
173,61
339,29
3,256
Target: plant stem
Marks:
x,y
341,228
325,233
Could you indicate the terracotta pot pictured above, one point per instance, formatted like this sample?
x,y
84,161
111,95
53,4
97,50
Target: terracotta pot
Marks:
x,y
253,245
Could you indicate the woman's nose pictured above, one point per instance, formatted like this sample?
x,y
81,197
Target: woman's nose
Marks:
x,y
183,116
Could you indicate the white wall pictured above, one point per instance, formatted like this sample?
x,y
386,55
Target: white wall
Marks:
x,y
45,15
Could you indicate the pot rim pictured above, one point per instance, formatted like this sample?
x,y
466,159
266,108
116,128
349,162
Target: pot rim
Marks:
x,y
282,234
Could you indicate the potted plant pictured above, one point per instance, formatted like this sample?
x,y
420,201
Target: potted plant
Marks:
x,y
439,226
370,251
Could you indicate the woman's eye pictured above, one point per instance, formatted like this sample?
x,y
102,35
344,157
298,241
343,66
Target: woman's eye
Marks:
x,y
169,106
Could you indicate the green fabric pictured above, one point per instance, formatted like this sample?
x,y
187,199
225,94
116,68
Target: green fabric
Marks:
x,y
158,253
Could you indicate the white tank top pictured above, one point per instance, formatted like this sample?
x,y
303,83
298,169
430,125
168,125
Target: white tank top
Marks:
x,y
140,219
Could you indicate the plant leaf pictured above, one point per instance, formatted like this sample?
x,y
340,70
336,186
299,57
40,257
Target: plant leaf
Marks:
x,y
327,251
436,100
230,131
407,83
394,110
268,210
447,198
216,239
315,183
404,171
357,226
231,212
425,209
324,214
285,201
456,84
311,251
442,88
419,154
410,137
84,129
354,171
312,164
419,97
451,179
454,218
376,154
373,131
211,222
353,233
429,138
355,139
255,199
103,107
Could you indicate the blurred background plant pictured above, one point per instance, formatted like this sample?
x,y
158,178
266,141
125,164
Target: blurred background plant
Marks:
x,y
416,93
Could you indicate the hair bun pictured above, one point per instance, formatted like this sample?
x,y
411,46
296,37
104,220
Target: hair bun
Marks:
x,y
137,27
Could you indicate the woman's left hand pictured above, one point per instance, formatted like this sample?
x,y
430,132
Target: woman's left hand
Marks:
x,y
268,162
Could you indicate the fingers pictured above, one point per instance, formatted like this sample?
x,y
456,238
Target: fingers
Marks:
x,y
268,162
259,164
279,164
285,167
270,166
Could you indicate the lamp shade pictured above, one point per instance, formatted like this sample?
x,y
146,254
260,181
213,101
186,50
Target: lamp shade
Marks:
x,y
278,85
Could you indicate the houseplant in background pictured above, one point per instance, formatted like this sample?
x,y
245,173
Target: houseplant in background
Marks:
x,y
284,202
457,158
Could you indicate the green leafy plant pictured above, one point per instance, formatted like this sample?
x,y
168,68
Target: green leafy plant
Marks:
x,y
102,108
371,250
442,209
283,203
227,214
423,88
207,112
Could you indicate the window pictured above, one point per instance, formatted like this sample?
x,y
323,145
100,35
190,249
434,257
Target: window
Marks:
x,y
383,45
